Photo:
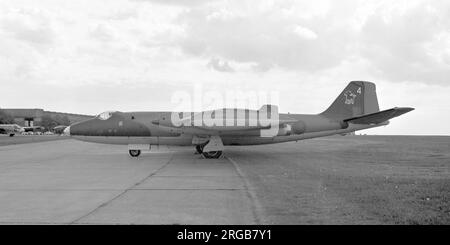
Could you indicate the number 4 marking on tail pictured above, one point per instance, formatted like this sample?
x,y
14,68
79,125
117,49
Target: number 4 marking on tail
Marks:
x,y
359,90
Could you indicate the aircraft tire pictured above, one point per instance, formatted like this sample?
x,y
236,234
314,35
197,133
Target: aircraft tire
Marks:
x,y
134,153
199,149
212,154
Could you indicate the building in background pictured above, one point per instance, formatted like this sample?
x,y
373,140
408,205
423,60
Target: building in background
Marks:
x,y
33,117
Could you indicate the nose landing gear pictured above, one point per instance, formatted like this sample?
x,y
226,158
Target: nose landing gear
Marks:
x,y
135,149
134,153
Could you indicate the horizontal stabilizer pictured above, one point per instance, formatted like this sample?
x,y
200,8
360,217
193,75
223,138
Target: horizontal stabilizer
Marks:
x,y
379,117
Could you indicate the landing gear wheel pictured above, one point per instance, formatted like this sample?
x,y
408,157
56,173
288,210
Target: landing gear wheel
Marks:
x,y
212,154
199,148
134,153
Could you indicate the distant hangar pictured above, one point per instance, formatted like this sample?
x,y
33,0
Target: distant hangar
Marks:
x,y
33,117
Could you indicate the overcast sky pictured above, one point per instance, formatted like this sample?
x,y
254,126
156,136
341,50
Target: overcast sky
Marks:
x,y
96,55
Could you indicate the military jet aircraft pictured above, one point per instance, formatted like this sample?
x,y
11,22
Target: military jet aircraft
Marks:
x,y
59,129
356,108
11,129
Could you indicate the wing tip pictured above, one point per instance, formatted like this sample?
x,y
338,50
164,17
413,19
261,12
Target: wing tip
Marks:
x,y
404,109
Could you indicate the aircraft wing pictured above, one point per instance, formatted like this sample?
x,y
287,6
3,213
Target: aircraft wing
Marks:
x,y
191,128
243,128
379,117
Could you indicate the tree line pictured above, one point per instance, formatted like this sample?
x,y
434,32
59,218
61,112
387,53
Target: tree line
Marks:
x,y
49,122
6,118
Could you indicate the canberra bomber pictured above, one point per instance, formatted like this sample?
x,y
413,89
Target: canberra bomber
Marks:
x,y
356,108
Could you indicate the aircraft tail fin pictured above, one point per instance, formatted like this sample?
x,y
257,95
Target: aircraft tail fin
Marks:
x,y
358,98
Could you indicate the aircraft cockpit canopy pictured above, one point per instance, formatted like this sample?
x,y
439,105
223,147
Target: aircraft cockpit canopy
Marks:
x,y
105,115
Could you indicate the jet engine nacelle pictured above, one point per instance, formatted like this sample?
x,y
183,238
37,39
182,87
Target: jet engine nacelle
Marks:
x,y
292,128
285,130
298,127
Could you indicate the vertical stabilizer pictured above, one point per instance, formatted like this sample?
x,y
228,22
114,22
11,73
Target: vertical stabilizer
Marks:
x,y
357,99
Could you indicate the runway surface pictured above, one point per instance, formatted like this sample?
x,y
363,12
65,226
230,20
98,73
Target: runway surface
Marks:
x,y
337,180
23,139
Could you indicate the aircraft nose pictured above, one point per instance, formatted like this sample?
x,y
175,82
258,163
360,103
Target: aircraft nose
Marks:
x,y
67,131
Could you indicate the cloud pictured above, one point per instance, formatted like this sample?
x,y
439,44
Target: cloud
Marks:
x,y
124,14
409,46
29,26
399,42
27,37
103,32
405,41
184,3
305,33
242,33
218,65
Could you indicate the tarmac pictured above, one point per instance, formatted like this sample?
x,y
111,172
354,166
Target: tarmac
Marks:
x,y
72,182
337,180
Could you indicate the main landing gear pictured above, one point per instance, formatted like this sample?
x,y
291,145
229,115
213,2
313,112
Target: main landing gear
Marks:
x,y
134,153
199,148
212,154
211,149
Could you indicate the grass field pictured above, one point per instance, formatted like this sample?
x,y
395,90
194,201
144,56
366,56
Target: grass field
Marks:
x,y
352,180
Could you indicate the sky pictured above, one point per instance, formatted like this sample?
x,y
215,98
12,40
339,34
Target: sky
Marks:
x,y
89,56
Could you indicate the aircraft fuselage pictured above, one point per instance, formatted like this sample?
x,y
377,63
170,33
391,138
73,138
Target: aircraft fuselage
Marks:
x,y
139,128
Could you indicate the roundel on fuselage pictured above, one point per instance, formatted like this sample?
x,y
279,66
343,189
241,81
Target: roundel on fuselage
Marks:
x,y
105,115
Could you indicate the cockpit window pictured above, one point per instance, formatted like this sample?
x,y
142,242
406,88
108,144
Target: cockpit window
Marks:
x,y
105,115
